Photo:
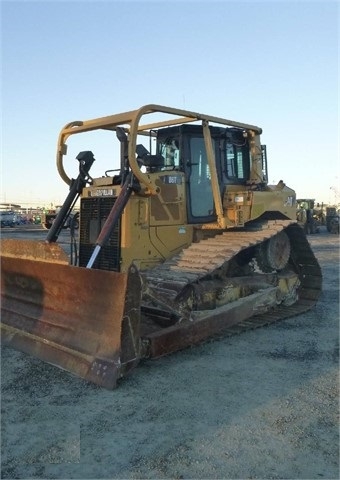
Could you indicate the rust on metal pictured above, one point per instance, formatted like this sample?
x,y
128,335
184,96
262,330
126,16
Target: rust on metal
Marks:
x,y
33,250
78,319
207,323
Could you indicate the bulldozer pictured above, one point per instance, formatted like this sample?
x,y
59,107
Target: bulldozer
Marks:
x,y
185,241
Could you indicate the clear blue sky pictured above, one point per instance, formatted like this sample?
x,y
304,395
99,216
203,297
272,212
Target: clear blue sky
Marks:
x,y
272,63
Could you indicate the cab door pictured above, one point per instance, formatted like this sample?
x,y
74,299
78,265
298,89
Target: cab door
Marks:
x,y
183,149
200,202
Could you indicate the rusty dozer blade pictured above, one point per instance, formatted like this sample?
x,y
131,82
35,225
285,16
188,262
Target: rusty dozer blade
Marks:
x,y
82,320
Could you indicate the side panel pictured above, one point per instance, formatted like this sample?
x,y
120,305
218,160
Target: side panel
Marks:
x,y
274,199
168,207
155,227
241,206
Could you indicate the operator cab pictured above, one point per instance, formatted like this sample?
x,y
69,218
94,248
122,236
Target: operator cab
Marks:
x,y
183,149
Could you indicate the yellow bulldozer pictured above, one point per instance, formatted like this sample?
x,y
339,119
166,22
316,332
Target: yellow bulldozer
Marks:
x,y
185,240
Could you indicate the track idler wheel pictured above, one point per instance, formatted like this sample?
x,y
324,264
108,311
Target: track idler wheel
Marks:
x,y
274,253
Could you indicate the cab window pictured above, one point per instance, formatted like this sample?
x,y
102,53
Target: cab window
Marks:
x,y
236,162
169,149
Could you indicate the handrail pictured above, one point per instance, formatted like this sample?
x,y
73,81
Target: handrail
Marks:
x,y
131,120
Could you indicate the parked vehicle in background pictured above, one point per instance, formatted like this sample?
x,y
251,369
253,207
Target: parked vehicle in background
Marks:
x,y
7,218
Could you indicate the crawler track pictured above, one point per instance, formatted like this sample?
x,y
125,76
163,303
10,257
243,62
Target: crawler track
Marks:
x,y
202,261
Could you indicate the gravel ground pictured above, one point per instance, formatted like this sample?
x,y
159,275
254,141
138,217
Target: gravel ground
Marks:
x,y
263,404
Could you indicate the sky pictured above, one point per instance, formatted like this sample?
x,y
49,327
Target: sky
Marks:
x,y
273,64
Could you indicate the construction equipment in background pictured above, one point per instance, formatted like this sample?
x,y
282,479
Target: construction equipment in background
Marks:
x,y
309,216
186,240
320,214
332,220
48,217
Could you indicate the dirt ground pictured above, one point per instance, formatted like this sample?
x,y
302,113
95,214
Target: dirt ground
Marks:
x,y
263,404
